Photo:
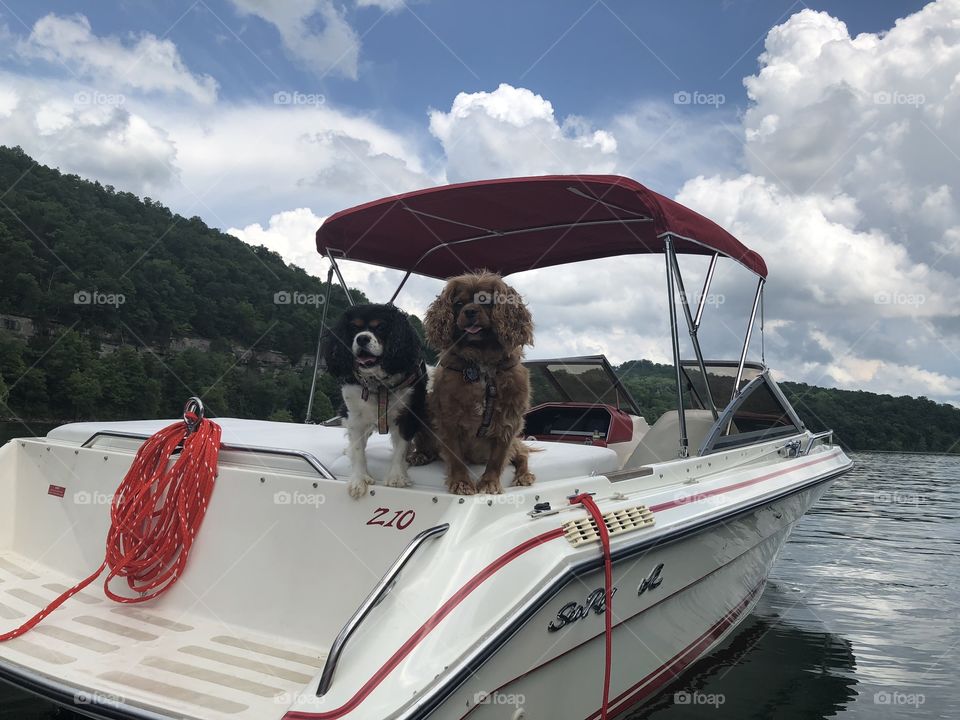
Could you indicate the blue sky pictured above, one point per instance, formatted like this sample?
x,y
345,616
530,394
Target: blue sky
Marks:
x,y
586,56
826,135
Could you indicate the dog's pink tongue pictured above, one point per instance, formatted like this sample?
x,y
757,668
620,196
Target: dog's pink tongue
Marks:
x,y
367,361
473,329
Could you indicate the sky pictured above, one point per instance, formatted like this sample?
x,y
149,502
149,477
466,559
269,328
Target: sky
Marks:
x,y
824,135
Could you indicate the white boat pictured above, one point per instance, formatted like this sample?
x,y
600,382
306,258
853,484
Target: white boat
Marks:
x,y
300,603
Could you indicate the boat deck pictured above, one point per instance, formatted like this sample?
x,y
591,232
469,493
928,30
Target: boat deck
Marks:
x,y
180,665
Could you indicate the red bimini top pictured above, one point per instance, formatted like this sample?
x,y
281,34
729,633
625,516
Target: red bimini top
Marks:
x,y
517,224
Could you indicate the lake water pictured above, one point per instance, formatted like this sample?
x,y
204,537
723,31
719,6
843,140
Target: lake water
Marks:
x,y
861,618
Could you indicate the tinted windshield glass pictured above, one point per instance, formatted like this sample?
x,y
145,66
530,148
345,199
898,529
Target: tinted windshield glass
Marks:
x,y
721,379
585,382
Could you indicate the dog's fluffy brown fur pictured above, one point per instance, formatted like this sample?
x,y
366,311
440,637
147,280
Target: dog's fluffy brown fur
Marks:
x,y
480,321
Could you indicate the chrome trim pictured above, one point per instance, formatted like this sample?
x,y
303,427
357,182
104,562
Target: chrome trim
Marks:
x,y
746,340
815,437
309,458
692,327
706,289
336,268
675,341
706,447
373,599
316,357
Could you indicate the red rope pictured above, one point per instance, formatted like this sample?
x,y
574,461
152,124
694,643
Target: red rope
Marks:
x,y
154,517
591,507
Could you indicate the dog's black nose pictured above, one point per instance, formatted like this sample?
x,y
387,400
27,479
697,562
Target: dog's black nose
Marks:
x,y
471,314
363,340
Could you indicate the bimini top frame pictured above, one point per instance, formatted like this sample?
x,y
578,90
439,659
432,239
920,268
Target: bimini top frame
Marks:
x,y
515,224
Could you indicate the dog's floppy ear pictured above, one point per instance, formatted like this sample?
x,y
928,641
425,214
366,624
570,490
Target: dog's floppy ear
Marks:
x,y
514,324
439,321
403,346
339,350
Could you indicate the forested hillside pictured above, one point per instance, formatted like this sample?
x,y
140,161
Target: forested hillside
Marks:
x,y
113,307
96,269
861,420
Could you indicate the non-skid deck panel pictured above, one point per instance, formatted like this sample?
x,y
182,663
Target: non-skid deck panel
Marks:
x,y
180,665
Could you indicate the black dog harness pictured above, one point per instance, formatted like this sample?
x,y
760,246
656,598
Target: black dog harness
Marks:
x,y
472,373
383,393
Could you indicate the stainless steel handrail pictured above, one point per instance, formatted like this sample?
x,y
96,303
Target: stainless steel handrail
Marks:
x,y
373,599
309,458
815,437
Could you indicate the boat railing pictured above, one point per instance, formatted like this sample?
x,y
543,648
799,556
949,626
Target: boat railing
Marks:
x,y
307,457
825,435
373,599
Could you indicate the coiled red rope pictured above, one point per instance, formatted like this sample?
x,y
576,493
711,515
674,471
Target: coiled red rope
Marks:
x,y
155,515
591,507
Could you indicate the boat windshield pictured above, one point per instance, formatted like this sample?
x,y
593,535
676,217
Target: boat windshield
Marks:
x,y
588,379
721,376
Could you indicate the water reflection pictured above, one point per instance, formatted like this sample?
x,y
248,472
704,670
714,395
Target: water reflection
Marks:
x,y
781,662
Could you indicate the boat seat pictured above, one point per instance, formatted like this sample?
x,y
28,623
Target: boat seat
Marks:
x,y
662,441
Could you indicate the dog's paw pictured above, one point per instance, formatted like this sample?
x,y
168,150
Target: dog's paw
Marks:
x,y
462,487
417,458
396,479
527,478
357,487
490,486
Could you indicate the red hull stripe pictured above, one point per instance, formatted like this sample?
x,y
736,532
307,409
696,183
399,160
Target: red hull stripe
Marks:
x,y
425,629
670,670
736,486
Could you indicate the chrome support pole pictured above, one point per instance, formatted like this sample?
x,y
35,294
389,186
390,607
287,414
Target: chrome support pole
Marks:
x,y
400,286
316,357
691,327
675,340
763,350
343,284
706,289
746,340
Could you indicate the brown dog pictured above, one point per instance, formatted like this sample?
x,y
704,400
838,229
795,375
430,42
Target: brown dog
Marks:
x,y
480,392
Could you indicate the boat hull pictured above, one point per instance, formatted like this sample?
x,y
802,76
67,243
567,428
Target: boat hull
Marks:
x,y
708,583
465,629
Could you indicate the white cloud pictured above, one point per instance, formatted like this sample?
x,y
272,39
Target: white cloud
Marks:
x,y
385,5
513,131
150,64
853,147
334,48
109,142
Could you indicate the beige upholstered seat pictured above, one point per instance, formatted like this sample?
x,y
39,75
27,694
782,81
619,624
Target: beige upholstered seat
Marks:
x,y
662,441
